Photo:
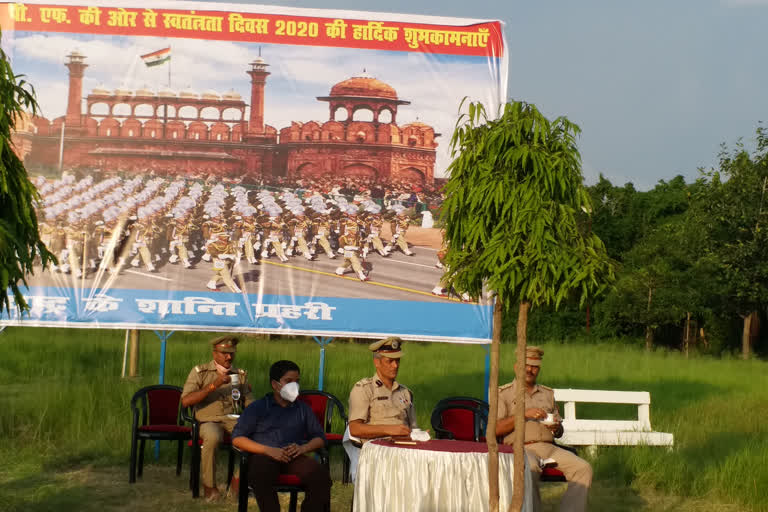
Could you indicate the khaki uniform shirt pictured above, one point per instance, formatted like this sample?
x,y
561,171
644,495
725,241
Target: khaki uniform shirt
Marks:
x,y
373,403
218,403
541,397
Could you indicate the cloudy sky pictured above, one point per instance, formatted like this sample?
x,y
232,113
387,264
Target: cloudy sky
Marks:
x,y
655,85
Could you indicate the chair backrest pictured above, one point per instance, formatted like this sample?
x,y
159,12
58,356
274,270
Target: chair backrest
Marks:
x,y
464,400
459,421
159,404
323,405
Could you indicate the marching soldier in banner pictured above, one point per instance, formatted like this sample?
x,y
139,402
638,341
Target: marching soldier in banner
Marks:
x,y
245,234
179,238
299,226
351,244
59,243
374,226
143,235
321,225
223,252
399,226
274,239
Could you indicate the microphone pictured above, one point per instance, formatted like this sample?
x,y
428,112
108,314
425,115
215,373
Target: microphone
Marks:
x,y
235,382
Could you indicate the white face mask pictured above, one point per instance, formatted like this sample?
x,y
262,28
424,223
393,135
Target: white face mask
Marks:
x,y
290,391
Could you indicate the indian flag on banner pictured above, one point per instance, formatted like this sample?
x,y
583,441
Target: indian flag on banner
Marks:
x,y
157,58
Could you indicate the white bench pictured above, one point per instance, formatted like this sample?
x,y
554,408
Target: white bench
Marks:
x,y
591,432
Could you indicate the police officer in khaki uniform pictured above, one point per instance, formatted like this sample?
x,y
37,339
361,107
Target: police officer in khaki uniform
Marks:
x,y
540,435
209,388
379,406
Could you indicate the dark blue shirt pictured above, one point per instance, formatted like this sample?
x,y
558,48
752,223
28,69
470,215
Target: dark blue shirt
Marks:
x,y
270,424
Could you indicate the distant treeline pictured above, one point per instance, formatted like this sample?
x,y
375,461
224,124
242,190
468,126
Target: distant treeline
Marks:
x,y
693,262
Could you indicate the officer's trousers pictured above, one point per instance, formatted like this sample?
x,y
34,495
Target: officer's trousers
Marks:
x,y
212,432
577,471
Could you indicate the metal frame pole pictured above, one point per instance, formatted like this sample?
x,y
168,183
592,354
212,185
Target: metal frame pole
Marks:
x,y
321,373
163,336
487,369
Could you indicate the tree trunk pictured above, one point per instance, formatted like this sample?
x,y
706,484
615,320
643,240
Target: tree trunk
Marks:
x,y
745,335
518,480
133,355
687,341
493,409
648,328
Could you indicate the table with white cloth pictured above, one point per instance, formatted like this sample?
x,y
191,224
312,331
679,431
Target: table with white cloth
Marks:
x,y
438,475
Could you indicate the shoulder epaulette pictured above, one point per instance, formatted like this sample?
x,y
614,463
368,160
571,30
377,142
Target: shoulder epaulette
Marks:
x,y
546,388
364,381
505,386
199,368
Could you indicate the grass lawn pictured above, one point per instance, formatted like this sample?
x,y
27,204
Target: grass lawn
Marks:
x,y
65,418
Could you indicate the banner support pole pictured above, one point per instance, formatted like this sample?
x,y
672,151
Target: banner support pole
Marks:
x,y
163,336
487,369
321,373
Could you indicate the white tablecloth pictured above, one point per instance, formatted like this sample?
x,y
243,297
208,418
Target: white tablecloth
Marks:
x,y
398,478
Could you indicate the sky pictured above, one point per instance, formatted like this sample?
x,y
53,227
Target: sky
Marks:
x,y
656,86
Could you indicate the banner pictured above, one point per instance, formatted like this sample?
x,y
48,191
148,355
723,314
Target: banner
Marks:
x,y
231,167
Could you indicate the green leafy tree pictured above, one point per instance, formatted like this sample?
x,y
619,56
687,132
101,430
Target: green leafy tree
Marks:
x,y
20,241
733,206
511,213
662,281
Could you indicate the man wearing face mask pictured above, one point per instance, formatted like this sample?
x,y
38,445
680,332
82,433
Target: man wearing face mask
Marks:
x,y
379,406
278,432
211,389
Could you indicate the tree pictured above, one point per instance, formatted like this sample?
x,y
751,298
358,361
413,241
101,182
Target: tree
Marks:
x,y
661,282
512,201
20,241
733,206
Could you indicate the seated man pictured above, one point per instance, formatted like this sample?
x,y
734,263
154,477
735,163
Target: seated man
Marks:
x,y
539,438
379,406
278,431
212,389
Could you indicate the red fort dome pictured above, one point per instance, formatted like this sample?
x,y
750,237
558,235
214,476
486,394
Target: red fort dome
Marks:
x,y
364,87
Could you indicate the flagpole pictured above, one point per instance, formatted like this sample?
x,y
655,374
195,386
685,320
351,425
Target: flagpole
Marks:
x,y
165,113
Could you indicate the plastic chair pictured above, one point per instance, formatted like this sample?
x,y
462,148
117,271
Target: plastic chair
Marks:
x,y
155,411
464,400
285,483
459,421
195,443
323,405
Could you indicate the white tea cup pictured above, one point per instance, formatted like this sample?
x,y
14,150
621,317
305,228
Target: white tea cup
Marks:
x,y
550,418
234,379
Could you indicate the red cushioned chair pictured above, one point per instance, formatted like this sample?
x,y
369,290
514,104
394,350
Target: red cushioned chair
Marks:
x,y
323,405
195,442
552,475
460,422
285,483
155,412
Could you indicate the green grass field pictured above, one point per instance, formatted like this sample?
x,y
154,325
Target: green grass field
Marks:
x,y
65,417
